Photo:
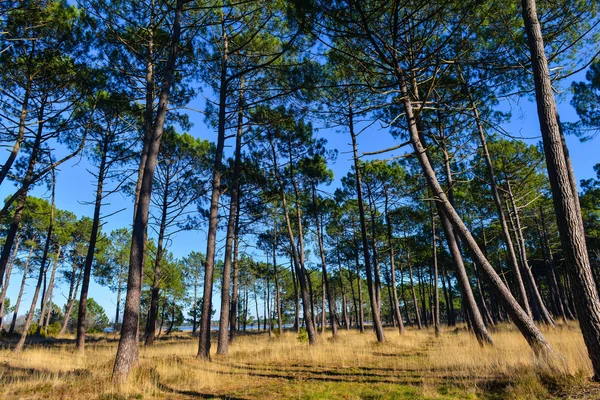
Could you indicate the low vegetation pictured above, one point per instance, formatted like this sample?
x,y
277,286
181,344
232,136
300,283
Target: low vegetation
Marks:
x,y
353,365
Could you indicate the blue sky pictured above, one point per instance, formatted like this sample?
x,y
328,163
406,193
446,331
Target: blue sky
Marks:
x,y
75,186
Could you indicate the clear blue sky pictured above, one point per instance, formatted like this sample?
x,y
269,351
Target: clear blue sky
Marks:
x,y
75,185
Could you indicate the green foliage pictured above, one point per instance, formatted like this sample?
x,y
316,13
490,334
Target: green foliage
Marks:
x,y
302,336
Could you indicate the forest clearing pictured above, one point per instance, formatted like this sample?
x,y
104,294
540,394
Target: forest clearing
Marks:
x,y
416,365
265,199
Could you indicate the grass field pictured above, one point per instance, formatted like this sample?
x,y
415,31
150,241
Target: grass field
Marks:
x,y
353,366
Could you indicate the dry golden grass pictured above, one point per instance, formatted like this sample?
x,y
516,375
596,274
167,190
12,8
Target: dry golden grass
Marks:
x,y
414,366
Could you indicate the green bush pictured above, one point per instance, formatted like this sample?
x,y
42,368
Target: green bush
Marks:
x,y
302,336
53,329
32,329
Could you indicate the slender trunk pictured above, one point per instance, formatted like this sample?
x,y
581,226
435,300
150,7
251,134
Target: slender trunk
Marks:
x,y
234,291
20,296
127,352
412,289
38,285
452,239
21,132
276,276
7,281
436,295
70,298
361,315
50,291
536,296
396,306
156,279
342,289
327,289
377,326
89,259
217,174
297,255
20,207
223,340
72,301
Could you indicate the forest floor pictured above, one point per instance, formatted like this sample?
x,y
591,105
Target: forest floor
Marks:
x,y
353,366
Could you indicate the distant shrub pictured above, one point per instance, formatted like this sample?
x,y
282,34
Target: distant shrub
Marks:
x,y
53,329
302,336
32,329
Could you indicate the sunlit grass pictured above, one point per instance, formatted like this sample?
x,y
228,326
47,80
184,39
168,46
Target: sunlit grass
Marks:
x,y
353,365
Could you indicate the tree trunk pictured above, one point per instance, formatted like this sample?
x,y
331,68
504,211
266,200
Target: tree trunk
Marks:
x,y
396,306
89,258
223,341
21,133
327,291
50,291
469,303
38,285
127,352
377,326
20,296
298,258
71,300
20,207
535,293
564,192
233,318
217,173
7,281
436,296
412,289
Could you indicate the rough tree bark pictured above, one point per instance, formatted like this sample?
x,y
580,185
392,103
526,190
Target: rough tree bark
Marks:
x,y
127,352
564,192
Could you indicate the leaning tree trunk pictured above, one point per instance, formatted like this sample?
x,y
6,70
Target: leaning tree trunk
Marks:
x,y
564,192
498,203
536,296
412,289
127,352
233,313
276,276
21,132
469,303
523,322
